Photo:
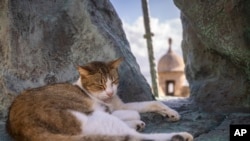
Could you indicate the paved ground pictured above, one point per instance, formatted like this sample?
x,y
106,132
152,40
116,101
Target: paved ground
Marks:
x,y
204,126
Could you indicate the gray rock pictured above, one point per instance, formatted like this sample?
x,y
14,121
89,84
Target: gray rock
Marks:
x,y
216,52
3,135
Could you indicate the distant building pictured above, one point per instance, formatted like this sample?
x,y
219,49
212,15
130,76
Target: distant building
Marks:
x,y
171,75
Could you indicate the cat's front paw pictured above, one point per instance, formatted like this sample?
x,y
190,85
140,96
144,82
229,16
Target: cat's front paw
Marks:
x,y
182,136
171,115
138,125
167,112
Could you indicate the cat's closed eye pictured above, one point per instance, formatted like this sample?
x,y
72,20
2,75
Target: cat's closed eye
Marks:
x,y
101,87
115,81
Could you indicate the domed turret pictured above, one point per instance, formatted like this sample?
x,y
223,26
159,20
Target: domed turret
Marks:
x,y
170,61
171,73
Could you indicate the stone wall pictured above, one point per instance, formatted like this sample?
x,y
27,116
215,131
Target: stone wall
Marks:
x,y
42,42
216,39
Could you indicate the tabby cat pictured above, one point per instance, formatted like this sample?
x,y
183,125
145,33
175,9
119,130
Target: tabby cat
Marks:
x,y
88,110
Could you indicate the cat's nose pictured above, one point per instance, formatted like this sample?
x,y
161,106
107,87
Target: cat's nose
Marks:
x,y
110,94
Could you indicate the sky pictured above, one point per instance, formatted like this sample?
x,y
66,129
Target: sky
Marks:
x,y
164,21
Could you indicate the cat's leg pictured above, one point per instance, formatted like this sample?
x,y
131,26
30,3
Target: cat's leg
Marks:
x,y
153,106
178,136
126,114
131,118
101,123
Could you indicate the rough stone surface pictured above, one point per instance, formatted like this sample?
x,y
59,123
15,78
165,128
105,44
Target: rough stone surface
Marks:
x,y
42,42
203,125
217,54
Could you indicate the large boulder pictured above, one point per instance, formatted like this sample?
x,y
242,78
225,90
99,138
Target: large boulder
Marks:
x,y
216,39
42,42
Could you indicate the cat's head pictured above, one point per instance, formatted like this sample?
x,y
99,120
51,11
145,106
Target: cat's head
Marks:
x,y
100,79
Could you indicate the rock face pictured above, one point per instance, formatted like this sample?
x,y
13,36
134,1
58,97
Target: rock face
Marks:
x,y
216,39
42,42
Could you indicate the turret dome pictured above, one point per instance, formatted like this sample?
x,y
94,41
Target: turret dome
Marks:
x,y
170,61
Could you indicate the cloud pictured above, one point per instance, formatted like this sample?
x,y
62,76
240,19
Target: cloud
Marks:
x,y
162,31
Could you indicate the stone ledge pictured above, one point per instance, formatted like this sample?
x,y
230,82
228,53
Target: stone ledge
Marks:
x,y
204,126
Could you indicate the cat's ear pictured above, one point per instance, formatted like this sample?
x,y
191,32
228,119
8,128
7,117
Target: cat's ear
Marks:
x,y
116,63
82,71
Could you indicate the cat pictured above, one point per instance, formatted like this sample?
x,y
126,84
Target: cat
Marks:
x,y
87,110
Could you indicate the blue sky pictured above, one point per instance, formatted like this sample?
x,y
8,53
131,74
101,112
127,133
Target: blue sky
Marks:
x,y
165,22
130,10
